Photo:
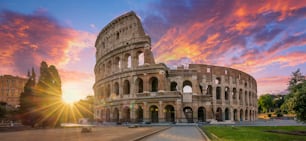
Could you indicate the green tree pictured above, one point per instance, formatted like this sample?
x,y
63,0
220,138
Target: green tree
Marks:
x,y
3,110
295,101
265,102
28,102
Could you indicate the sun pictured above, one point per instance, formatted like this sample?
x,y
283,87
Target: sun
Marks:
x,y
70,98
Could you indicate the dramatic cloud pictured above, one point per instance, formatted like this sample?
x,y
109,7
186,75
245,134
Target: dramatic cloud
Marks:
x,y
249,35
26,40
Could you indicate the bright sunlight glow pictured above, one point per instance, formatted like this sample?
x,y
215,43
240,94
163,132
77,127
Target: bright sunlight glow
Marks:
x,y
69,98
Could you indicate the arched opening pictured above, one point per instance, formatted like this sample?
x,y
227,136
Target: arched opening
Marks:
x,y
107,115
140,58
209,90
226,112
116,115
246,115
101,115
219,114
154,114
218,93
241,115
240,96
139,85
127,61
117,64
109,67
139,113
235,115
116,88
187,87
201,114
126,87
250,117
234,93
226,92
107,89
173,86
169,113
188,114
201,89
126,114
154,84
218,80
246,97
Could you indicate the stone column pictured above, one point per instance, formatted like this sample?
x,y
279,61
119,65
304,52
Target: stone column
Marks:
x,y
146,111
146,85
160,112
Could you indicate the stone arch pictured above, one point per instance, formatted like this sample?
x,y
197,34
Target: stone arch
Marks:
x,y
116,115
140,58
188,114
139,114
241,115
154,84
107,115
154,113
209,90
127,60
109,67
126,87
234,93
187,86
240,95
169,113
218,80
107,91
246,114
139,85
246,97
116,88
117,63
226,114
226,93
218,93
201,114
173,86
219,114
250,115
235,115
101,114
126,114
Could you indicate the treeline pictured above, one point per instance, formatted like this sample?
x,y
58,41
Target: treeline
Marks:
x,y
293,103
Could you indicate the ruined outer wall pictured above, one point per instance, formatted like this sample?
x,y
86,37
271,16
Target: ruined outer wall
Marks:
x,y
130,86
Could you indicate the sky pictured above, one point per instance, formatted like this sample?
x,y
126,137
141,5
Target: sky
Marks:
x,y
266,39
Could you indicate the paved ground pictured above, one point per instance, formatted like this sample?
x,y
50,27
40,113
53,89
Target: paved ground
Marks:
x,y
177,133
110,133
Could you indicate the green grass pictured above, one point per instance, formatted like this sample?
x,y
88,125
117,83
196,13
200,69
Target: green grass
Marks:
x,y
252,133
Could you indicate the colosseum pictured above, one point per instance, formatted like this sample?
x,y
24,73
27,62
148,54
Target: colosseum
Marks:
x,y
131,87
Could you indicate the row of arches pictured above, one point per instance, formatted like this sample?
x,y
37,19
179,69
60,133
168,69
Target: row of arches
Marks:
x,y
241,116
105,91
117,63
169,114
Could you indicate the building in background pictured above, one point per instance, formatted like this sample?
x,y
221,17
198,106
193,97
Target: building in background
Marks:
x,y
10,89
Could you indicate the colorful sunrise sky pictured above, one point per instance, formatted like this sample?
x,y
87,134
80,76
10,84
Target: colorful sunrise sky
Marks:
x,y
265,38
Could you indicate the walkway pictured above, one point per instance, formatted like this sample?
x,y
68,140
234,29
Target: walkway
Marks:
x,y
177,133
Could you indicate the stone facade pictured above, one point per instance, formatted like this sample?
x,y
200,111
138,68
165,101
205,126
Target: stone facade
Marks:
x,y
131,87
10,89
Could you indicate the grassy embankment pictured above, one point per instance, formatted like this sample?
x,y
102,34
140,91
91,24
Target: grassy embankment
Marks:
x,y
240,133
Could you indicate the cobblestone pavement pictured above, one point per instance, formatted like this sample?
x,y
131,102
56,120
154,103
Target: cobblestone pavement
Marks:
x,y
177,133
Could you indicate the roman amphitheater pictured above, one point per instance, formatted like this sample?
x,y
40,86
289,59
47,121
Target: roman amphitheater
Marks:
x,y
131,87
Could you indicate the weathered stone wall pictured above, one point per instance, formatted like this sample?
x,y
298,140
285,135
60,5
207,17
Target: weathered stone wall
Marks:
x,y
131,87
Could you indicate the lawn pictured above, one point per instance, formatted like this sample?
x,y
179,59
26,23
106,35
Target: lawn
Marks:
x,y
254,133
